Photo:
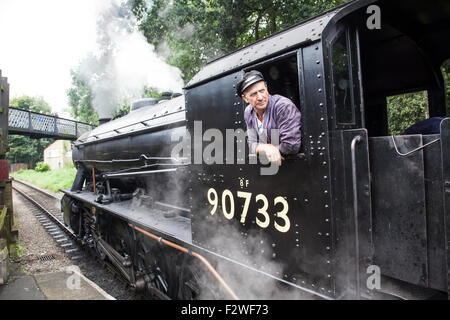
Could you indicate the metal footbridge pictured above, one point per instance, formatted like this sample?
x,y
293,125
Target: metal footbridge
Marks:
x,y
38,125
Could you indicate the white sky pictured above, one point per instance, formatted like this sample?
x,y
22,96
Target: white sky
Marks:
x,y
40,41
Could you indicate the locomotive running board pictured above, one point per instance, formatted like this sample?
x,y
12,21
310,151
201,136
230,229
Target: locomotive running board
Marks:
x,y
177,227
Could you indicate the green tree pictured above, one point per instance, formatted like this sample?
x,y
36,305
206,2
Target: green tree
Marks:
x,y
36,104
23,149
446,74
406,109
80,100
192,32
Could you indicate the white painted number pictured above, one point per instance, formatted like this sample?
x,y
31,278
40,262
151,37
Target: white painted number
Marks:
x,y
228,214
247,196
214,202
283,215
263,224
281,222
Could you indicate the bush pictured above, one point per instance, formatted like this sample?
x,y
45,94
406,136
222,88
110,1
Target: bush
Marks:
x,y
42,167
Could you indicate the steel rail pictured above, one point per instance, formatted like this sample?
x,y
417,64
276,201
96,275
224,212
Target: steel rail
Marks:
x,y
47,212
65,229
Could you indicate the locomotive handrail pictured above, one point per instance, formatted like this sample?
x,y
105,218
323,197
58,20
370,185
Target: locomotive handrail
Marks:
x,y
138,173
412,151
148,166
355,140
143,157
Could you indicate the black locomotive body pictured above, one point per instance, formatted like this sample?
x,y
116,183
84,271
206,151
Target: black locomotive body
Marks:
x,y
356,214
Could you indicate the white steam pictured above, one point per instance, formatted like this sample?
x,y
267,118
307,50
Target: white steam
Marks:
x,y
124,62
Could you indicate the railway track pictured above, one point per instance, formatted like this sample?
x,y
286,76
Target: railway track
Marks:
x,y
49,214
50,219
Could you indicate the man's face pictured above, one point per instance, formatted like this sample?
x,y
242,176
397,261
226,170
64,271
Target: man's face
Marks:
x,y
257,96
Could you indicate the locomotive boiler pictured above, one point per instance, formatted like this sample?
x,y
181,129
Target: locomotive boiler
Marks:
x,y
355,214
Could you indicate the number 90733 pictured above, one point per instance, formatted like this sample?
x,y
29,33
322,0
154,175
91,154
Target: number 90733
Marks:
x,y
281,220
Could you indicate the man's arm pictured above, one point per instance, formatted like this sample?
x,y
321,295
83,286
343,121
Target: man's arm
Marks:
x,y
272,153
289,125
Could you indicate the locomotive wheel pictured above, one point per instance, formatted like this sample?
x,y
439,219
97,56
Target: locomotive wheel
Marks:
x,y
121,238
154,261
196,283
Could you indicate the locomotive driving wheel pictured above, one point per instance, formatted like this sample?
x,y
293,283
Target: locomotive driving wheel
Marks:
x,y
195,282
153,263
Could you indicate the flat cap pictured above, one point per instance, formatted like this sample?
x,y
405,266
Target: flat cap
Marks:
x,y
249,78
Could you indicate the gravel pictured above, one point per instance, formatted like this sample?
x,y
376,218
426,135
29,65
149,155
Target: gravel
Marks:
x,y
43,255
36,242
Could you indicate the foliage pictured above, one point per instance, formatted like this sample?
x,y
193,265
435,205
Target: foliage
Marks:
x,y
192,32
42,167
23,149
148,92
35,104
189,33
16,251
446,74
80,100
52,180
124,108
405,110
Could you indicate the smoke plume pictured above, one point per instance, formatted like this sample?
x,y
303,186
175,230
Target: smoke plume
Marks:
x,y
123,62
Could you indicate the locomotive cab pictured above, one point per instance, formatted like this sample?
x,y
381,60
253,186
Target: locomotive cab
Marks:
x,y
357,202
396,185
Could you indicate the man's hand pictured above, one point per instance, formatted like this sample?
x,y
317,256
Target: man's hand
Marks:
x,y
272,153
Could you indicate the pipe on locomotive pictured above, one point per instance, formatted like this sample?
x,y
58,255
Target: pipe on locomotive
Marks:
x,y
194,254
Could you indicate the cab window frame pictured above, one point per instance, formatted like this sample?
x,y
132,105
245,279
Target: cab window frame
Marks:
x,y
354,109
298,86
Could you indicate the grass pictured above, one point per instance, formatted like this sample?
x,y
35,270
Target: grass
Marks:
x,y
51,180
16,250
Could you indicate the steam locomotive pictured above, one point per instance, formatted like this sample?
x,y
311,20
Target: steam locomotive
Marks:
x,y
356,214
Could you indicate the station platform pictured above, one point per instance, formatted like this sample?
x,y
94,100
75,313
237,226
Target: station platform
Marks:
x,y
52,286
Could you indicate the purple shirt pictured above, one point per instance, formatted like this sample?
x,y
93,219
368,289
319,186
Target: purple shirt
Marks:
x,y
281,114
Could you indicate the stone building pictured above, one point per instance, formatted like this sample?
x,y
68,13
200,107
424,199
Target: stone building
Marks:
x,y
58,154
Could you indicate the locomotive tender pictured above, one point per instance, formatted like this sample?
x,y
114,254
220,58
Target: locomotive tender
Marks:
x,y
356,214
